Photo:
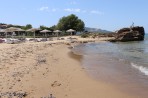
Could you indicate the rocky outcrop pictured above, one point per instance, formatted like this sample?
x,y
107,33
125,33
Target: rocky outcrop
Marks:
x,y
130,34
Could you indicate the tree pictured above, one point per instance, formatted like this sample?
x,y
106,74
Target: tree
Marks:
x,y
70,22
42,27
52,28
28,26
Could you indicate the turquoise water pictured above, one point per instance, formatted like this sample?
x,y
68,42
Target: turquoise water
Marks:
x,y
123,63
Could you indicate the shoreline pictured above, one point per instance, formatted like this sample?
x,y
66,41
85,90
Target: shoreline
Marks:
x,y
107,69
41,69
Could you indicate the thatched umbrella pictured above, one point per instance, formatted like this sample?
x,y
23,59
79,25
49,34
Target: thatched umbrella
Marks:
x,y
13,29
2,31
20,30
45,31
57,32
70,30
32,30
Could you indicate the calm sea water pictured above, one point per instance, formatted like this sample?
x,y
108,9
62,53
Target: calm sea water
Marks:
x,y
122,63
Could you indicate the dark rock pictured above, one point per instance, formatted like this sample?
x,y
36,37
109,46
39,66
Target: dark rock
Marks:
x,y
13,94
130,34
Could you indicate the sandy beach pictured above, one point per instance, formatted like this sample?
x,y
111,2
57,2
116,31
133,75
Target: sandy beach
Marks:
x,y
35,70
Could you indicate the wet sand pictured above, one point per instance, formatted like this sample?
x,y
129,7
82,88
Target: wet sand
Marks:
x,y
35,70
111,70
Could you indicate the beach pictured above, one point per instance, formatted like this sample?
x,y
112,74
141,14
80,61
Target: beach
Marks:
x,y
39,69
73,49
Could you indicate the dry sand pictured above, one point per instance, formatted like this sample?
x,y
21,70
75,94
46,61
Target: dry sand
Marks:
x,y
37,70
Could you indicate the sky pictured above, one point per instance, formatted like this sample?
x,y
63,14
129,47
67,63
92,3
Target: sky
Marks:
x,y
103,14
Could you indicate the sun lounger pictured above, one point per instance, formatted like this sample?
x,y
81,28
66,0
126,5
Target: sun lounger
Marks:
x,y
12,41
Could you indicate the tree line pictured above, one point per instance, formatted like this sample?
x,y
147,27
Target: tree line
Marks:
x,y
64,23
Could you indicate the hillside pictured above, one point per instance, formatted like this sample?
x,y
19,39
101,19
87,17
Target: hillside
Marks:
x,y
96,30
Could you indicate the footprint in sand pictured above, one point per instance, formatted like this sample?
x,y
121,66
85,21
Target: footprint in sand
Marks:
x,y
55,84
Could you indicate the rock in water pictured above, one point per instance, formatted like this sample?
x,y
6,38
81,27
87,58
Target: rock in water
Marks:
x,y
130,34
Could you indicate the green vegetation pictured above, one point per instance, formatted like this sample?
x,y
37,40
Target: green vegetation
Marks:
x,y
84,35
28,26
53,27
29,34
42,27
64,24
70,22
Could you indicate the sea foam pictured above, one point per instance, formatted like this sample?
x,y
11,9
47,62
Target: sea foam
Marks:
x,y
142,69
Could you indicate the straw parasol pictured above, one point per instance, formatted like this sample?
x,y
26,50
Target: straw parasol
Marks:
x,y
20,30
70,30
32,30
45,31
13,29
57,31
2,31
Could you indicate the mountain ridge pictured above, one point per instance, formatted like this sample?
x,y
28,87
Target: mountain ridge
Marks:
x,y
96,30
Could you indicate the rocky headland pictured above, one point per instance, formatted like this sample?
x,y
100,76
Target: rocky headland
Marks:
x,y
133,33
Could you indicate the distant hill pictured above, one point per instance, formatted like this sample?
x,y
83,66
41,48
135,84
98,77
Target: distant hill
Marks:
x,y
96,30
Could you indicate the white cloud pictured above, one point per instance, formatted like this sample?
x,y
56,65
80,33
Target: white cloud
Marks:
x,y
83,11
68,10
47,9
44,9
77,10
96,12
72,10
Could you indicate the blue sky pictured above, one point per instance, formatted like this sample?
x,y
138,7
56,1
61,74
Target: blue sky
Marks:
x,y
105,14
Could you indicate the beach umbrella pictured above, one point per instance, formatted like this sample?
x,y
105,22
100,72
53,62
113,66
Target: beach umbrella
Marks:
x,y
10,29
14,29
57,31
2,31
45,31
33,30
19,30
70,30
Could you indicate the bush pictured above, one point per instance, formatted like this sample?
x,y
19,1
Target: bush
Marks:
x,y
85,35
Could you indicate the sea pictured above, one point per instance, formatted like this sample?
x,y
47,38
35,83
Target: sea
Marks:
x,y
123,64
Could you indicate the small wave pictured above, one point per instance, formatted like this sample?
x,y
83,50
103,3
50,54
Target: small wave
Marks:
x,y
142,69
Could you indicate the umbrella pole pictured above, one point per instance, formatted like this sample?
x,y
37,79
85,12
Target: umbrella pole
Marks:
x,y
6,34
19,34
57,35
34,35
46,36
